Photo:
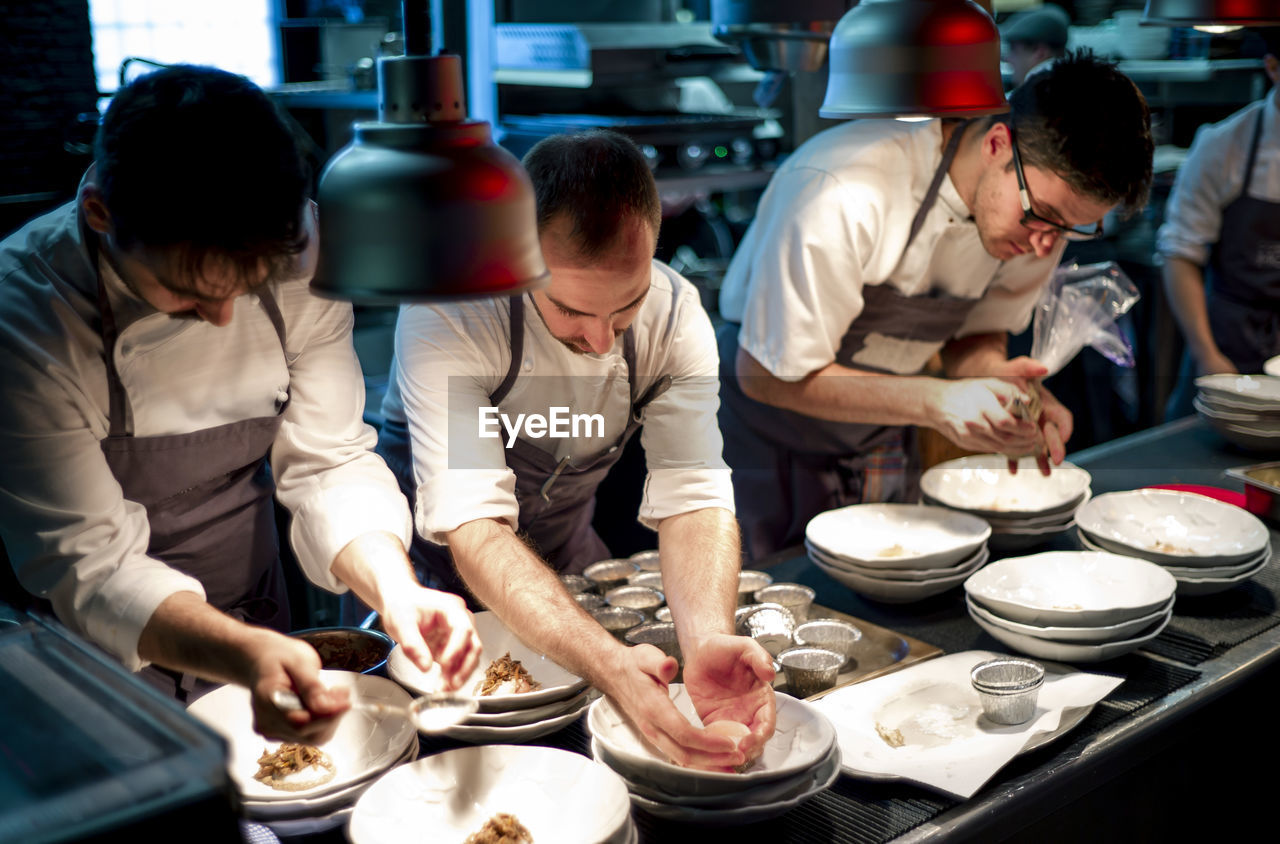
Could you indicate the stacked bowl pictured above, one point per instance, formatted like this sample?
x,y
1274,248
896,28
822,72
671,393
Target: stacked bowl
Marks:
x,y
364,747
799,761
1207,545
897,553
1072,606
1244,409
1023,508
503,718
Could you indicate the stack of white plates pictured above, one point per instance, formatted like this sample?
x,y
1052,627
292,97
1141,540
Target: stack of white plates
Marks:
x,y
1072,606
555,794
800,760
1272,367
897,552
1024,509
504,718
1244,409
365,746
1206,544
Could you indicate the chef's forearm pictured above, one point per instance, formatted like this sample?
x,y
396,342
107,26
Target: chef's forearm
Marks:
x,y
375,566
842,394
526,594
187,634
975,356
1184,288
701,556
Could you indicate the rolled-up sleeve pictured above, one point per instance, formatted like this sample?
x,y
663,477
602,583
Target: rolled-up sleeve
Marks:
x,y
1193,214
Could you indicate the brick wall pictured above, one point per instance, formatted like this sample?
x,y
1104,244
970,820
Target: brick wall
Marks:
x,y
46,81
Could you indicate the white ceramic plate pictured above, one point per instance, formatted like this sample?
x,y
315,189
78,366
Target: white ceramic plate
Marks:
x,y
801,739
558,795
1057,519
1214,585
520,733
1249,439
520,717
1272,367
1190,575
1093,543
897,536
495,640
1082,635
1072,651
1071,588
274,811
1176,527
983,485
900,591
1259,391
1266,422
364,745
967,564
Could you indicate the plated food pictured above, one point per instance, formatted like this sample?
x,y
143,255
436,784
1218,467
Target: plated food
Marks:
x,y
502,828
294,767
506,676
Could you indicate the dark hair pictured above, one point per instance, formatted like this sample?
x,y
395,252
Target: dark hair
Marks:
x,y
1087,122
199,160
597,179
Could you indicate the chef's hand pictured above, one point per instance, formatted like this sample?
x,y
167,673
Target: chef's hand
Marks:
x,y
281,662
730,678
637,684
1215,363
974,413
1056,425
434,627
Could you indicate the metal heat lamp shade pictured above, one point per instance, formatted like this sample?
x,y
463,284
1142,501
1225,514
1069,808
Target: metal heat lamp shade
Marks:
x,y
1212,12
914,58
422,205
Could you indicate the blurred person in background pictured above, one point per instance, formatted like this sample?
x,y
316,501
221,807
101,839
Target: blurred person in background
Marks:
x,y
1033,38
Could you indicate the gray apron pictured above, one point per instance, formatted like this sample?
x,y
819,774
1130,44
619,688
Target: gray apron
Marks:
x,y
789,467
1242,286
556,498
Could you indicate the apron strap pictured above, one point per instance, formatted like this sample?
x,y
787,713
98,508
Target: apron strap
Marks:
x,y
931,195
516,333
1253,153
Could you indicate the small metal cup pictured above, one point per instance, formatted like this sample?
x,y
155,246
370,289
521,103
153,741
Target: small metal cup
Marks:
x,y
589,600
662,614
647,560
831,634
640,598
651,579
1008,688
749,581
810,670
659,634
576,583
618,620
609,574
769,624
795,597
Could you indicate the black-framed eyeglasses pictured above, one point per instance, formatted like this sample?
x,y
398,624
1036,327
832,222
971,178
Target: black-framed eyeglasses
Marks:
x,y
1030,217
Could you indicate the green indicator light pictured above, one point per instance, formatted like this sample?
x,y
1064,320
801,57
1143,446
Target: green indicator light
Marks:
x,y
721,152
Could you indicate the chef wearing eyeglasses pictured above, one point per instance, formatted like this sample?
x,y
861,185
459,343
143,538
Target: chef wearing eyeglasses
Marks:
x,y
880,243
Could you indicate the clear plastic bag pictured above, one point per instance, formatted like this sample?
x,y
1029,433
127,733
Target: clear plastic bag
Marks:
x,y
1080,308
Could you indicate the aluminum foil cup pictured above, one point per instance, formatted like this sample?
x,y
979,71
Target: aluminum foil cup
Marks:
x,y
749,581
793,596
1008,688
647,560
609,574
652,579
659,634
829,633
640,598
618,620
769,624
589,600
810,670
576,583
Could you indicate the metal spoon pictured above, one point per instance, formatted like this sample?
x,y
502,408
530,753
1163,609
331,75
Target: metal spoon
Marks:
x,y
429,714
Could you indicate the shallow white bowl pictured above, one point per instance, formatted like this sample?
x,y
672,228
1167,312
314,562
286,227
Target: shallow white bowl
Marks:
x,y
802,738
558,795
897,536
1272,367
900,591
1264,421
1188,574
1083,635
968,564
495,640
1214,585
1072,651
1176,527
483,734
1071,588
1261,392
364,745
983,485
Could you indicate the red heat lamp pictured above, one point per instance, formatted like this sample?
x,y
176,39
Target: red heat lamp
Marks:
x,y
915,58
422,205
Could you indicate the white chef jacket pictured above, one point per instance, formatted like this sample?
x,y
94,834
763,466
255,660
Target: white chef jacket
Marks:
x,y
450,358
836,216
1212,175
71,535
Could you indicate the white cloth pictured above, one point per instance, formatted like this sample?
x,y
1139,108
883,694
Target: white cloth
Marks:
x,y
449,359
835,217
71,535
1212,176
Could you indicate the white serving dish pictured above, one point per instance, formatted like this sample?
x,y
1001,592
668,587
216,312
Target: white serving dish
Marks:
x,y
897,536
1272,367
1171,526
1214,585
1072,651
1071,588
316,808
364,745
801,739
900,591
1081,635
495,640
1261,392
965,565
480,734
983,485
520,717
1264,421
558,795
